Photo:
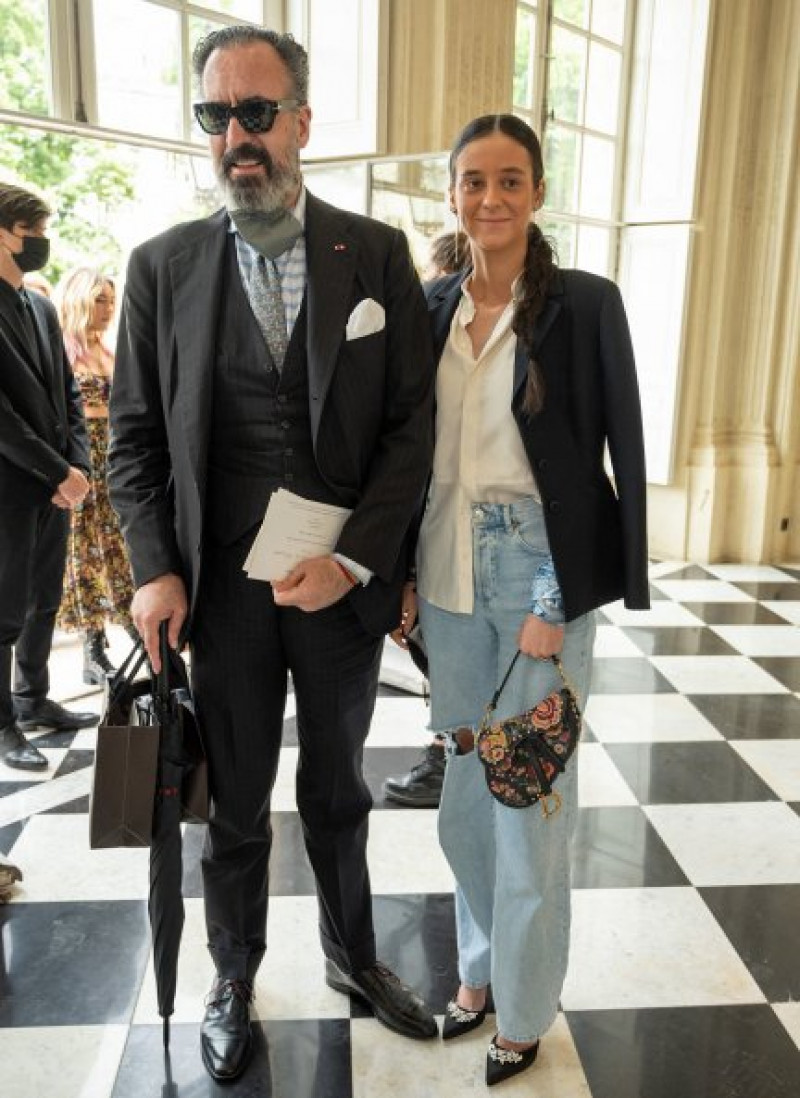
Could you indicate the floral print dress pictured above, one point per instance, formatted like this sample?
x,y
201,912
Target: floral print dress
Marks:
x,y
97,579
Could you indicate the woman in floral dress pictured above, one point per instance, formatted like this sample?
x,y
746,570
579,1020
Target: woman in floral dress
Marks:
x,y
97,580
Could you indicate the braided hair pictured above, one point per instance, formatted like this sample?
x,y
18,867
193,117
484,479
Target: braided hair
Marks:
x,y
540,262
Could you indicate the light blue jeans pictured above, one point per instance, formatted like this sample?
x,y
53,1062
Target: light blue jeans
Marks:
x,y
511,864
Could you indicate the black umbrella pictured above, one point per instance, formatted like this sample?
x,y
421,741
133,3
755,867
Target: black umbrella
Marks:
x,y
180,754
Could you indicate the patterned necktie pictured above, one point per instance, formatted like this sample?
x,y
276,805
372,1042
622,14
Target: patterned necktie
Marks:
x,y
267,303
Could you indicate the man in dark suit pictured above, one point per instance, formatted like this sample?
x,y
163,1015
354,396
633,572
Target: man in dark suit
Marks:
x,y
215,406
44,462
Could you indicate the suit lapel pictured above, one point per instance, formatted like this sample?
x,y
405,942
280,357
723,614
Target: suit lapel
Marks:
x,y
196,275
544,322
331,257
442,304
22,346
44,348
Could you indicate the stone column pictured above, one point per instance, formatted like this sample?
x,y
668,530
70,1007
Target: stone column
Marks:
x,y
739,440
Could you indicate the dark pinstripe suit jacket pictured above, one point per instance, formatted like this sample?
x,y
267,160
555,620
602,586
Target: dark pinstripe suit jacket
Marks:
x,y
369,399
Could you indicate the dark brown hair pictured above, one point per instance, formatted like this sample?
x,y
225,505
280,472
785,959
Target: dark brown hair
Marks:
x,y
290,51
449,253
17,205
540,265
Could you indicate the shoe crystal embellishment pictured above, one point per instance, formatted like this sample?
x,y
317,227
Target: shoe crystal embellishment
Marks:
x,y
458,1014
504,1055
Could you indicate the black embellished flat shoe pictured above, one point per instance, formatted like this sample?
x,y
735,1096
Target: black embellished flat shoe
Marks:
x,y
502,1063
458,1021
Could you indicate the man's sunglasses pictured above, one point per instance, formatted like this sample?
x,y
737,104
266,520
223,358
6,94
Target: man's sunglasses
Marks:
x,y
254,115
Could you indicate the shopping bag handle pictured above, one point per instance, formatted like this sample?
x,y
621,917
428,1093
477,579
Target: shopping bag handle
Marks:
x,y
127,671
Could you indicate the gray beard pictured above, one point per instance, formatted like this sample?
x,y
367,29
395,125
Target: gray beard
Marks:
x,y
264,195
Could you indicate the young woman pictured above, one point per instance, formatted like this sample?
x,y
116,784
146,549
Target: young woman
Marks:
x,y
97,581
523,537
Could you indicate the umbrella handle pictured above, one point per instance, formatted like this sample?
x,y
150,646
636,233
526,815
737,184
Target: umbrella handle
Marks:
x,y
161,680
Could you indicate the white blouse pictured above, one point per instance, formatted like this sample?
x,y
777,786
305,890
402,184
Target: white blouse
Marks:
x,y
479,456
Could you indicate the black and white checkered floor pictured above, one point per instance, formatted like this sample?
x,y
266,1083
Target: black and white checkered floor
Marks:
x,y
684,979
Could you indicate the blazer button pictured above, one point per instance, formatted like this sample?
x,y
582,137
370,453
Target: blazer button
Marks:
x,y
542,464
285,424
554,506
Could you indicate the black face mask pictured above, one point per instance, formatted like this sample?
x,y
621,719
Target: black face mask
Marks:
x,y
34,255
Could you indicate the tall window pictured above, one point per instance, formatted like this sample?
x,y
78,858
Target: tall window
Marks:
x,y
568,84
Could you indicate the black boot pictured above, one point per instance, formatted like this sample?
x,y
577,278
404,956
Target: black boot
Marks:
x,y
96,665
421,787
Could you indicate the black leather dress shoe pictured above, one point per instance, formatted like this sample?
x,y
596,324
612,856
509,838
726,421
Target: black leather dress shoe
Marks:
x,y
47,715
394,1004
17,752
421,787
225,1040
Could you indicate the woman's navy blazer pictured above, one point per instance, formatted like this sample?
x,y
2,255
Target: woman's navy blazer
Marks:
x,y
597,531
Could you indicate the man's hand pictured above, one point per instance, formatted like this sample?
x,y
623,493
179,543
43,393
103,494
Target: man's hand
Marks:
x,y
312,585
162,599
408,615
73,488
58,501
539,639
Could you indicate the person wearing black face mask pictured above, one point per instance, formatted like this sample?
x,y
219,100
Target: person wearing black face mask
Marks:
x,y
44,463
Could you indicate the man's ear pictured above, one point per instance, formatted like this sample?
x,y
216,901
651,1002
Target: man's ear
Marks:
x,y
303,126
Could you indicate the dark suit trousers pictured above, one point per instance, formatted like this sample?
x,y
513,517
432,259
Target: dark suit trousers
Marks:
x,y
242,648
33,548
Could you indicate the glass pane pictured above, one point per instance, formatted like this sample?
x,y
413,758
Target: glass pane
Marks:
x,y
409,194
137,46
524,57
251,10
608,19
572,11
602,89
561,155
24,56
198,28
344,186
109,196
597,178
594,246
561,235
567,76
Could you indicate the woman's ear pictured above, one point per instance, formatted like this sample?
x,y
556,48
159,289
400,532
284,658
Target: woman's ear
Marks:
x,y
539,195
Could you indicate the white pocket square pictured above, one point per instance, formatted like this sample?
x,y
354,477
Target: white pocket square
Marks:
x,y
367,318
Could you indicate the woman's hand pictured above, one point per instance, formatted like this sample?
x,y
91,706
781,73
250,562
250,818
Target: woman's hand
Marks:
x,y
408,616
539,639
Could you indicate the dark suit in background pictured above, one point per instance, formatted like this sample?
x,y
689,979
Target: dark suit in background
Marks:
x,y
203,429
42,434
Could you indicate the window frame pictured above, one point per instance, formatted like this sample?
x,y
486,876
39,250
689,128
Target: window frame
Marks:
x,y
540,117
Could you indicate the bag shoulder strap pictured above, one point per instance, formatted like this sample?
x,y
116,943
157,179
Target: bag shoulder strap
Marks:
x,y
556,660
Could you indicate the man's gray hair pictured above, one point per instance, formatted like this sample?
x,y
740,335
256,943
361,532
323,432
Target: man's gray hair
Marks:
x,y
293,55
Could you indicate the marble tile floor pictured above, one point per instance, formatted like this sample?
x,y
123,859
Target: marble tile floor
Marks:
x,y
684,979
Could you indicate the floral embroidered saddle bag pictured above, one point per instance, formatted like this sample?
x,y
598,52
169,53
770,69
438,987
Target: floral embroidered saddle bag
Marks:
x,y
524,755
